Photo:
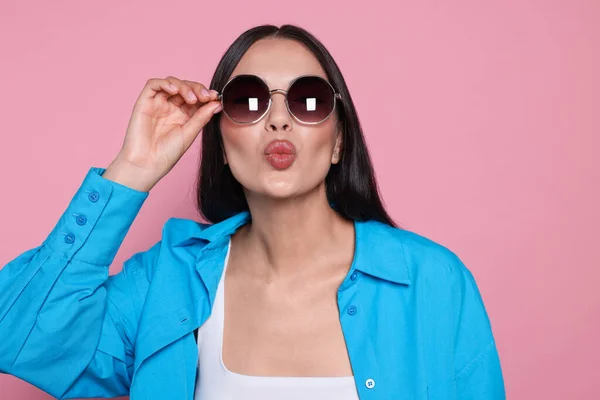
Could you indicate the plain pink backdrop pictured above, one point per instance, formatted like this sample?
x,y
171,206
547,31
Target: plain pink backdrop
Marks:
x,y
482,119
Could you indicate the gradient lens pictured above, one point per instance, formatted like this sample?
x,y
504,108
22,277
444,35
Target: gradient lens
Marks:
x,y
245,98
311,99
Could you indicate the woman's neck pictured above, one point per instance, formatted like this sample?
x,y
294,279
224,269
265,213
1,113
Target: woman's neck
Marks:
x,y
292,236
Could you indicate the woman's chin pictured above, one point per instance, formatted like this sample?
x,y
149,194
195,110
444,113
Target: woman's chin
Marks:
x,y
278,186
280,191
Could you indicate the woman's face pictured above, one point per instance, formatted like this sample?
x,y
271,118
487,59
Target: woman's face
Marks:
x,y
278,62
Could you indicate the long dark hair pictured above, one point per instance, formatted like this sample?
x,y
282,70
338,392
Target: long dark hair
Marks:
x,y
350,184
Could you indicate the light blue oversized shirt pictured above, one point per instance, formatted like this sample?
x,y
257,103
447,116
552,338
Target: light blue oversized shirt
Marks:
x,y
413,320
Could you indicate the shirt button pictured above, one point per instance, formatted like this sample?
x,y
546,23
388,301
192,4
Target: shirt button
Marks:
x,y
351,310
69,238
354,275
93,197
370,383
81,220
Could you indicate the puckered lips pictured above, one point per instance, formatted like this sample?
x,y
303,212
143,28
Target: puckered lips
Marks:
x,y
280,154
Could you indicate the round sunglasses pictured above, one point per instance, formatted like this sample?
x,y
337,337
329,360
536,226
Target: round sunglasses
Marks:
x,y
310,99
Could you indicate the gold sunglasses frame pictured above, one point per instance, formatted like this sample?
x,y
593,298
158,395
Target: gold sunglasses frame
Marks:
x,y
336,96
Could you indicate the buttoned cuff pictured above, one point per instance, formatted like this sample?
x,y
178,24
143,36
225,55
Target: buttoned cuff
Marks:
x,y
97,220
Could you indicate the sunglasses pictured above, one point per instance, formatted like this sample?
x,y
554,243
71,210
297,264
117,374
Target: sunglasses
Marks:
x,y
310,99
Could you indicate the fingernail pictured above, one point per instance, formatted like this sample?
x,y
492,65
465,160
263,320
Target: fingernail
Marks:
x,y
192,96
218,108
205,93
214,92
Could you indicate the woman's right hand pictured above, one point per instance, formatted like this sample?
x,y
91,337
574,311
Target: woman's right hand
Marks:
x,y
167,117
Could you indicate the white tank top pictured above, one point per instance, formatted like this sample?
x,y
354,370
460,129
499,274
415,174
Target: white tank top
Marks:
x,y
216,382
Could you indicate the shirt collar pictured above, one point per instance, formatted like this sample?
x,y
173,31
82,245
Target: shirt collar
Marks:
x,y
379,250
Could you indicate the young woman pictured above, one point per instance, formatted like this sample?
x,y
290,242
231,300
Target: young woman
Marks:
x,y
301,286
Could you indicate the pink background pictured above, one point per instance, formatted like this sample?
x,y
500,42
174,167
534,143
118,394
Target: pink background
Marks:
x,y
482,119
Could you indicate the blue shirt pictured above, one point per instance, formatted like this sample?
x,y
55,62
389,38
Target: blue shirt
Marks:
x,y
412,316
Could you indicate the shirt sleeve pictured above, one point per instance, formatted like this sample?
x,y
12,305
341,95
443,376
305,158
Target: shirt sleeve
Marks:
x,y
478,374
62,327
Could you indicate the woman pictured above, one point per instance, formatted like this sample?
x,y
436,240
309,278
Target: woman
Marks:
x,y
302,286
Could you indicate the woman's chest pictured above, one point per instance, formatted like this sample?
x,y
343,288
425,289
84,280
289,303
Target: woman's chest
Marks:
x,y
283,330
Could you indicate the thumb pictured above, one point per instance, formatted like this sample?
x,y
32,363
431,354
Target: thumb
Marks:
x,y
199,119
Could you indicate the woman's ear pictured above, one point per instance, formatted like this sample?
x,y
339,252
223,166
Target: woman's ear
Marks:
x,y
337,150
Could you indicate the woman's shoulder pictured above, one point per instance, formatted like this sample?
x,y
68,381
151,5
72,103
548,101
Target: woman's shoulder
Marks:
x,y
422,255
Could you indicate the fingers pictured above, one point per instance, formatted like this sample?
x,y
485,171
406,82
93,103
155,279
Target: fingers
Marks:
x,y
178,91
183,89
179,101
201,92
155,86
193,98
200,118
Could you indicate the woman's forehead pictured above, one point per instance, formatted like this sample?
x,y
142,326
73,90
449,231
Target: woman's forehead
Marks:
x,y
278,62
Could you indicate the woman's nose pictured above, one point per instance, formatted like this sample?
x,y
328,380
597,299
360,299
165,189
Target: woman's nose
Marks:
x,y
278,117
